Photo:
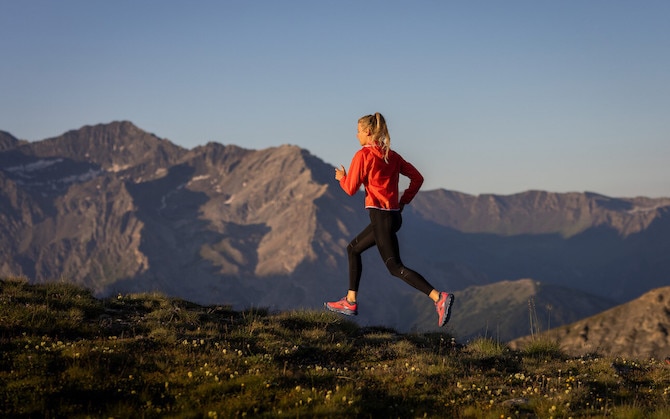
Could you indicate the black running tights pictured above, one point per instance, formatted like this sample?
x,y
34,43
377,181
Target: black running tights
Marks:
x,y
382,232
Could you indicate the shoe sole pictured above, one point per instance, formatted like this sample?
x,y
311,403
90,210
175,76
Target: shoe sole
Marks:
x,y
448,302
344,311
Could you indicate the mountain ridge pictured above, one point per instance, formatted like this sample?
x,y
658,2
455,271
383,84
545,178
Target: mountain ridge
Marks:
x,y
567,214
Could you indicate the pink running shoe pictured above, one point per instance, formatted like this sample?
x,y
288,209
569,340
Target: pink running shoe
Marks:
x,y
343,307
443,307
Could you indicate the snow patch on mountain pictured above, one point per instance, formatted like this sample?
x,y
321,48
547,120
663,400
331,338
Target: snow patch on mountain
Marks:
x,y
22,169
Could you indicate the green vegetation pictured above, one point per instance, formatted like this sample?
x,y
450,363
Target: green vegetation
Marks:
x,y
68,354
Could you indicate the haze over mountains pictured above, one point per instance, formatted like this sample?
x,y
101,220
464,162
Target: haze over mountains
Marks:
x,y
117,209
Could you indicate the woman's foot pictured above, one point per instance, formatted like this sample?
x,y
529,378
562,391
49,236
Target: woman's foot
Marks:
x,y
443,307
343,307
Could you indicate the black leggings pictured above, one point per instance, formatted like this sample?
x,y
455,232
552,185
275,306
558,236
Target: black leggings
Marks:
x,y
382,232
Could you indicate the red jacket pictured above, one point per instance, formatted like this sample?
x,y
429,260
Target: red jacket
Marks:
x,y
381,178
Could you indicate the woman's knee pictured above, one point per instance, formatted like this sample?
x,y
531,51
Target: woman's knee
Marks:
x,y
395,267
351,250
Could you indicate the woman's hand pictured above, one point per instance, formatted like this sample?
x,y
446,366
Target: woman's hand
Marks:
x,y
340,172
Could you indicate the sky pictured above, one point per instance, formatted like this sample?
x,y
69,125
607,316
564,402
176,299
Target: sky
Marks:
x,y
481,96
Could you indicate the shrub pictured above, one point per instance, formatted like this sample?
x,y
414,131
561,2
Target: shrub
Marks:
x,y
543,347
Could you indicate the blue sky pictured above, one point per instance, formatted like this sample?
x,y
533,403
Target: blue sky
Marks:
x,y
482,96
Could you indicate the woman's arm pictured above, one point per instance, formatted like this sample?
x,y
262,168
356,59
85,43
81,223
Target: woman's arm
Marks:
x,y
415,182
351,182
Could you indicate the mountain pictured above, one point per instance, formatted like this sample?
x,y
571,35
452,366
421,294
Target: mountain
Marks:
x,y
612,247
637,329
116,209
538,212
119,210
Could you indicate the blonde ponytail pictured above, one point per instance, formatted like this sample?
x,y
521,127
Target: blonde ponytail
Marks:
x,y
380,132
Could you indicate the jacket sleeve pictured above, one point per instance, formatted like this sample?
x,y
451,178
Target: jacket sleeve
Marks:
x,y
415,181
352,181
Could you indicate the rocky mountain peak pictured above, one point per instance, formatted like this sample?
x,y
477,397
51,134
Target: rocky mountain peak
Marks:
x,y
115,147
7,141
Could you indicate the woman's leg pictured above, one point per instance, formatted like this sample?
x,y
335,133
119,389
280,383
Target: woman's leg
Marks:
x,y
362,242
385,224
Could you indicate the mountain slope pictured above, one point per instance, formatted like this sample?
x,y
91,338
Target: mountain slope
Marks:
x,y
503,310
638,328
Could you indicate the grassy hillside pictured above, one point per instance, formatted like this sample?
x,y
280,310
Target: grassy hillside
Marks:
x,y
67,354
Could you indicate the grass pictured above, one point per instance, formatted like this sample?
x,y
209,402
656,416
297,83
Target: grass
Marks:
x,y
68,354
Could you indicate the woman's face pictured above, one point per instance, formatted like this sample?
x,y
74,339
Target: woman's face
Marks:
x,y
364,135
